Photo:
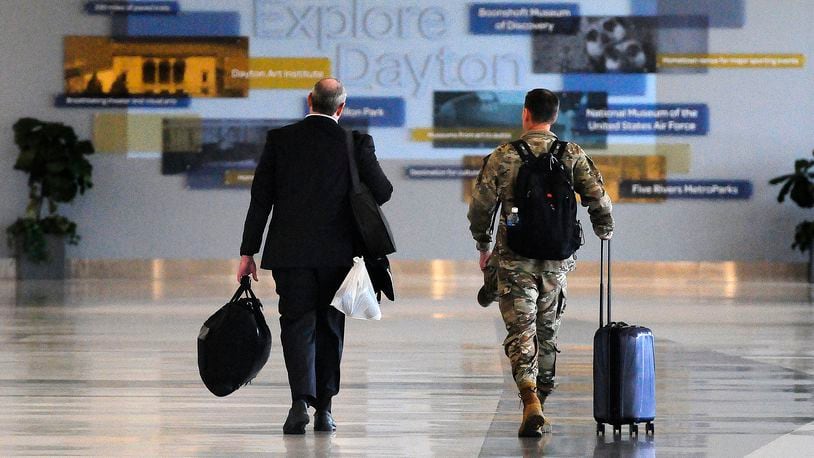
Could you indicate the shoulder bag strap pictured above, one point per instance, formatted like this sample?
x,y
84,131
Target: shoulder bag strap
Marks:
x,y
354,170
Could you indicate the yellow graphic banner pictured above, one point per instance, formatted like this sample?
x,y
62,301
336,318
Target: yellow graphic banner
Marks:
x,y
110,133
731,60
238,177
284,72
616,169
677,155
122,133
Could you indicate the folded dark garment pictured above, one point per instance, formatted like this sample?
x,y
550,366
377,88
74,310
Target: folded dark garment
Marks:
x,y
380,276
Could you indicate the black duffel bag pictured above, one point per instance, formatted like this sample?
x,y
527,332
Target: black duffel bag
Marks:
x,y
234,343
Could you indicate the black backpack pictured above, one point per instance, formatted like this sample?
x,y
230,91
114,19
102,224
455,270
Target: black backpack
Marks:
x,y
548,228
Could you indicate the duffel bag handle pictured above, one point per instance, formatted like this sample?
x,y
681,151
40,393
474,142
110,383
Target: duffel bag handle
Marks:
x,y
245,287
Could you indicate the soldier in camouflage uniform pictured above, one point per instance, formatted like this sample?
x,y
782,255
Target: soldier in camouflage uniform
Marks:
x,y
532,293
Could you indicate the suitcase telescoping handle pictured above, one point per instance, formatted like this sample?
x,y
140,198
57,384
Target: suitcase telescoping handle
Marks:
x,y
602,291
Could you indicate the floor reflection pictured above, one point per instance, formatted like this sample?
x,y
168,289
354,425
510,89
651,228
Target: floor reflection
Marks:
x,y
108,367
617,446
39,292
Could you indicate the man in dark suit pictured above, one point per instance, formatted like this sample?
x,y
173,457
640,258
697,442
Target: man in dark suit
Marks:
x,y
304,176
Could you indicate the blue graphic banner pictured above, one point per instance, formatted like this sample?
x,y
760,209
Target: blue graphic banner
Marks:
x,y
79,101
439,172
189,24
125,7
523,18
611,83
687,189
646,119
722,13
374,111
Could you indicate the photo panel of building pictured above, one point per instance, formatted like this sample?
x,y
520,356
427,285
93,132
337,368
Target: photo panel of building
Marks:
x,y
219,153
155,66
487,111
211,146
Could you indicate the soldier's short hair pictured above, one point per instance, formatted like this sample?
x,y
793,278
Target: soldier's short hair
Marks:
x,y
327,95
542,104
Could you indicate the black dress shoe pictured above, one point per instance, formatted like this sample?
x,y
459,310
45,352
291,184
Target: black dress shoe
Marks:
x,y
297,418
323,421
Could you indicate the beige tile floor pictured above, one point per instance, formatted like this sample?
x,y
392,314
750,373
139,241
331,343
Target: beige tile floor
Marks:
x,y
108,367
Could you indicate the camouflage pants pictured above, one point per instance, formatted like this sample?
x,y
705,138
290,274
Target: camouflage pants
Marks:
x,y
532,304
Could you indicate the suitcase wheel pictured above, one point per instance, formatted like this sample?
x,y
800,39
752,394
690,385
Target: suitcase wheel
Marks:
x,y
650,428
600,428
634,430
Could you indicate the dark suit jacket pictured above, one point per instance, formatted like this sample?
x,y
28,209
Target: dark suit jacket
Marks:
x,y
304,176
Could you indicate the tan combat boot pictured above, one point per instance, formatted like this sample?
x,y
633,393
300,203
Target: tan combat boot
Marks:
x,y
533,418
542,395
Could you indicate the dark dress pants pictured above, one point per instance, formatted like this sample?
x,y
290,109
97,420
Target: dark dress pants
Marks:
x,y
312,331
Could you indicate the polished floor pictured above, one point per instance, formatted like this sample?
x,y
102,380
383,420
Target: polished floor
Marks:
x,y
108,368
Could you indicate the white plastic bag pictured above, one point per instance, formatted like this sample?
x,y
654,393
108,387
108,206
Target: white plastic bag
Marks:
x,y
355,296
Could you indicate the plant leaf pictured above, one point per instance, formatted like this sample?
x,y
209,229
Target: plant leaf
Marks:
x,y
25,161
780,179
84,148
56,166
801,192
784,190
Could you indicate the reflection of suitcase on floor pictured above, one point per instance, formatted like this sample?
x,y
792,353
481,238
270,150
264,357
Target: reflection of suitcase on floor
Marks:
x,y
624,370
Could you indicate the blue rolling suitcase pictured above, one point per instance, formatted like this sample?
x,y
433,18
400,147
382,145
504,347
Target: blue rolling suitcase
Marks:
x,y
624,369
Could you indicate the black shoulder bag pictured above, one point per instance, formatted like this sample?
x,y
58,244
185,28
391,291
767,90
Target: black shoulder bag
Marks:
x,y
370,221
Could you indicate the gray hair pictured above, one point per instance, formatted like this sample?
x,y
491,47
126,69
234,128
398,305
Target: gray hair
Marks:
x,y
326,97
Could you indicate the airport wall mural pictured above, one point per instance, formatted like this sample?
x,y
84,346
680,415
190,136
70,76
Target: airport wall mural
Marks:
x,y
198,89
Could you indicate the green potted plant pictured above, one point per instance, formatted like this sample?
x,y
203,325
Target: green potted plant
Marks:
x,y
800,188
58,170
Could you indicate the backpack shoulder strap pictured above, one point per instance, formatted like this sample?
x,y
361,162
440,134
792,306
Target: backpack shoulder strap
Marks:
x,y
480,177
523,150
557,149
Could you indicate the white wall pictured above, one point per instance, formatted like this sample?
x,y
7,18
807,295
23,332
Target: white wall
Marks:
x,y
760,121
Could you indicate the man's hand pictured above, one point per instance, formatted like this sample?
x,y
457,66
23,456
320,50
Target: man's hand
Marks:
x,y
606,236
484,259
247,267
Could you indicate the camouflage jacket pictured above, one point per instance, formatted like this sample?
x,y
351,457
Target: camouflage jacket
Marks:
x,y
495,185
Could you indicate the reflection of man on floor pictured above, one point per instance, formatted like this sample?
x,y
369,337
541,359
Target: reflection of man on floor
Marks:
x,y
531,292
